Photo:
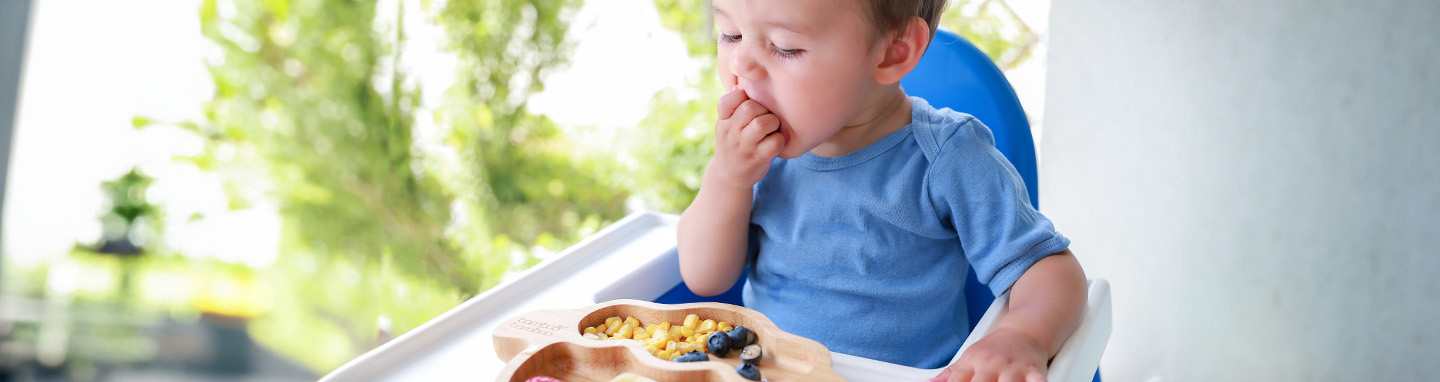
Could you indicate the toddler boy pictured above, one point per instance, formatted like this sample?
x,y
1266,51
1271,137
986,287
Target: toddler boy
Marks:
x,y
860,209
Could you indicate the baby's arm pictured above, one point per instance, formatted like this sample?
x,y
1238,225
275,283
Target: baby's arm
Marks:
x,y
714,230
713,236
1046,305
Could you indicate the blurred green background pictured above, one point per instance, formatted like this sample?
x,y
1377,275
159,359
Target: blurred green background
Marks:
x,y
393,208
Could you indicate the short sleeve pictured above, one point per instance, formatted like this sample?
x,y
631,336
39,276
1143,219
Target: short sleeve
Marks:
x,y
980,195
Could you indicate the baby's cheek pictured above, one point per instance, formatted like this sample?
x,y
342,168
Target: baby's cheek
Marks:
x,y
722,69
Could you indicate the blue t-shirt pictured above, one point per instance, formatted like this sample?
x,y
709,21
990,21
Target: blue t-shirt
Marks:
x,y
867,252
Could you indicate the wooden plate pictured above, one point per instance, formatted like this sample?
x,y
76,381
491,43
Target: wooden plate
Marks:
x,y
550,343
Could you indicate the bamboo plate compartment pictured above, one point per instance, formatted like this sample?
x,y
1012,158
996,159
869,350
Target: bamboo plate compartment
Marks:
x,y
550,343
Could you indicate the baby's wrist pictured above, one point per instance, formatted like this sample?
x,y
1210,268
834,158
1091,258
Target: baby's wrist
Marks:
x,y
718,178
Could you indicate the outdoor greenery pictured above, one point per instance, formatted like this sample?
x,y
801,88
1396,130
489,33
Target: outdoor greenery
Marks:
x,y
994,28
392,211
381,228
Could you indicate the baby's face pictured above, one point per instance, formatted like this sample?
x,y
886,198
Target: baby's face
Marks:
x,y
805,60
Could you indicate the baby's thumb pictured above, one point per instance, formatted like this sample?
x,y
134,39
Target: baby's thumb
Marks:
x,y
944,375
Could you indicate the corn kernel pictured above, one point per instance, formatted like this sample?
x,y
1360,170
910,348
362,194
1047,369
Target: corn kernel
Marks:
x,y
601,335
590,330
664,340
592,336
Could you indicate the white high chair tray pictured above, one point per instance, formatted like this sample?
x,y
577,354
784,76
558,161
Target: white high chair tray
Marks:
x,y
633,259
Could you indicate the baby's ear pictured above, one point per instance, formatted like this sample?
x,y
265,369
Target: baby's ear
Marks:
x,y
903,52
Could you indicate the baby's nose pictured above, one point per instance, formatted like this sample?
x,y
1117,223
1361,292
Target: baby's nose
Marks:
x,y
743,65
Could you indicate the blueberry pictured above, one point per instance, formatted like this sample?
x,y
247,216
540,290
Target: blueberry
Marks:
x,y
751,354
692,356
749,371
740,337
719,344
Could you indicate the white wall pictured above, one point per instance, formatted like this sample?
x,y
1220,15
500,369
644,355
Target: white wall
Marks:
x,y
1259,180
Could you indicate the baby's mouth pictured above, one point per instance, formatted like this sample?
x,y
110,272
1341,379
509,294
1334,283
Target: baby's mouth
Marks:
x,y
783,130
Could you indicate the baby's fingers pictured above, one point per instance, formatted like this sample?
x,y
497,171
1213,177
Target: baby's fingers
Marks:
x,y
746,112
1035,376
954,373
965,375
759,127
770,147
982,375
764,131
730,101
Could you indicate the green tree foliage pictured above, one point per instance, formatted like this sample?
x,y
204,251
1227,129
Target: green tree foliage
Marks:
x,y
299,90
538,188
311,111
993,27
298,101
665,161
130,217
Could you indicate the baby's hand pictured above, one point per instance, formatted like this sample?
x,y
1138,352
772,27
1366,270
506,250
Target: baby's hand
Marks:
x,y
744,144
1003,355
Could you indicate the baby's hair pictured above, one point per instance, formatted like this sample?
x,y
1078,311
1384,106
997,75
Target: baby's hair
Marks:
x,y
890,16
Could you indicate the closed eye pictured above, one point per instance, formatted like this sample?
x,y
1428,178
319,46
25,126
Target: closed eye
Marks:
x,y
775,50
786,53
